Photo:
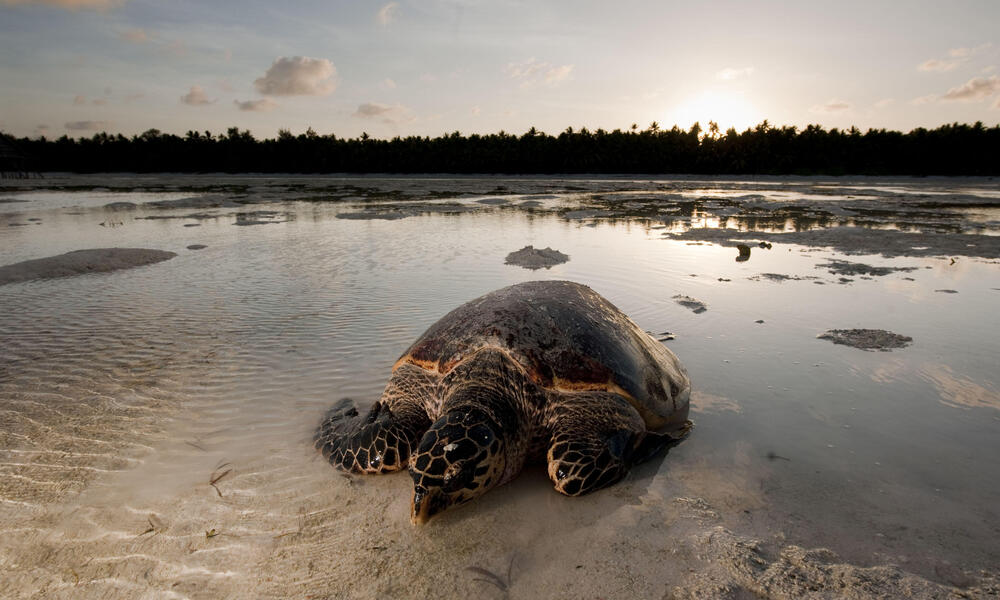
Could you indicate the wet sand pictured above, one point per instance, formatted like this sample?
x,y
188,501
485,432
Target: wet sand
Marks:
x,y
151,454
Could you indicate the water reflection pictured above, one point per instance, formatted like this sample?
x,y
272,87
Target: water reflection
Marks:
x,y
959,391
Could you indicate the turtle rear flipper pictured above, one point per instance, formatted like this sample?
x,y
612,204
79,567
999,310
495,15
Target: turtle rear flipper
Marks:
x,y
654,443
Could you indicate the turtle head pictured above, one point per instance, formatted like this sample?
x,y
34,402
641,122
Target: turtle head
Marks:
x,y
459,458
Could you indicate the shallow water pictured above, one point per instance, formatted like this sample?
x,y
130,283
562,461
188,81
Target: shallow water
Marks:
x,y
122,393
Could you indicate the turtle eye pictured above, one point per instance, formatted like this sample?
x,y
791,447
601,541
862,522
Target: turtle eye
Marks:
x,y
481,434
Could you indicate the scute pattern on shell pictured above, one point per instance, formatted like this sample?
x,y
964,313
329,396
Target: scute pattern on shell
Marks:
x,y
566,337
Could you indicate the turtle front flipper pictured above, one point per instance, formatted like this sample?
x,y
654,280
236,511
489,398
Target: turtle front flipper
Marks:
x,y
382,440
596,438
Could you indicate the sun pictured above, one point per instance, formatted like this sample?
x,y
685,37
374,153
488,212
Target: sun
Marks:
x,y
726,109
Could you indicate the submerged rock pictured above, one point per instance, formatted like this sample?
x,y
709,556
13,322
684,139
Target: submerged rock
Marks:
x,y
688,302
844,267
867,339
120,205
778,277
530,257
744,253
97,260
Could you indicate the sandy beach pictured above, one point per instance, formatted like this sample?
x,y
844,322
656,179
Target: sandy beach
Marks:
x,y
157,414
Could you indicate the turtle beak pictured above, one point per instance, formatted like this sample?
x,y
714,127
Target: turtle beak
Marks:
x,y
426,504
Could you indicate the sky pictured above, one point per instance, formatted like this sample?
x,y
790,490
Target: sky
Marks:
x,y
431,67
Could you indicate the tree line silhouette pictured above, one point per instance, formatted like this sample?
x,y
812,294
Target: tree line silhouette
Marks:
x,y
953,149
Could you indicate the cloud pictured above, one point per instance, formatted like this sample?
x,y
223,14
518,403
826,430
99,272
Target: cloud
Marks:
x,y
387,13
68,4
298,76
920,101
79,100
476,111
956,57
557,74
388,84
884,102
935,64
388,114
533,71
136,36
88,125
729,73
196,97
833,106
996,105
974,90
41,129
262,105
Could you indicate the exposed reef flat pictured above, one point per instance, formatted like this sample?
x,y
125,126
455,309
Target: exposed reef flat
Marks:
x,y
693,303
78,262
867,339
860,240
843,267
533,258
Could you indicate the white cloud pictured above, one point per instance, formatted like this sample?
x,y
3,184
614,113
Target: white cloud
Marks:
x,y
955,58
388,84
298,76
557,74
387,13
262,105
833,106
389,114
729,73
88,125
196,97
79,100
884,102
136,36
974,89
996,105
476,111
928,99
533,71
935,64
69,4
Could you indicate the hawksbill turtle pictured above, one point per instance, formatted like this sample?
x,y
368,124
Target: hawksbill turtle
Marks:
x,y
539,370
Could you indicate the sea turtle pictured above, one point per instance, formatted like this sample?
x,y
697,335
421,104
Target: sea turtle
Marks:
x,y
539,369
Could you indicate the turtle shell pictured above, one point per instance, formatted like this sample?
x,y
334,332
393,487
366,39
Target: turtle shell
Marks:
x,y
567,337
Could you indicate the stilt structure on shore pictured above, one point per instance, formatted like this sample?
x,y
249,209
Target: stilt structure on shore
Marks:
x,y
13,163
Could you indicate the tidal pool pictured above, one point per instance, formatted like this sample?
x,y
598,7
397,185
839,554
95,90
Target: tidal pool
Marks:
x,y
156,422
